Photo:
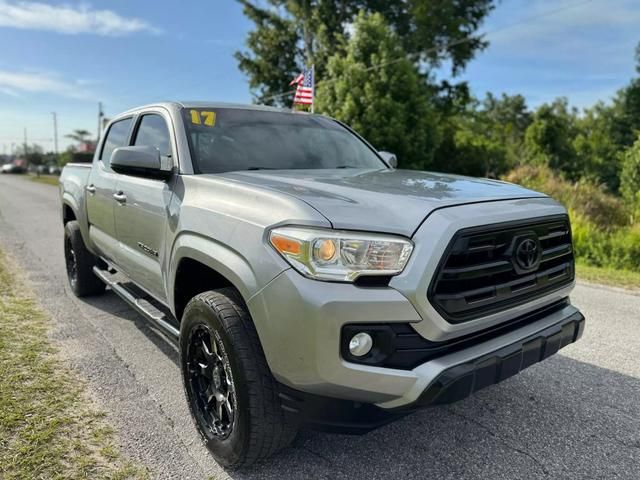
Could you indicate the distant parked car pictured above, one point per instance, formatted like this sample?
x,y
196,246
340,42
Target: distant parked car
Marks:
x,y
13,168
54,170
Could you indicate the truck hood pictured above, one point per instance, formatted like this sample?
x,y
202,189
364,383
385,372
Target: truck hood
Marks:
x,y
391,201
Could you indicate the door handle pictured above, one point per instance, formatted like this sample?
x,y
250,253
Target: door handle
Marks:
x,y
120,197
91,189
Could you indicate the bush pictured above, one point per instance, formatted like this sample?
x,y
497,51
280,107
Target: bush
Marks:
x,y
589,242
630,178
619,249
583,197
625,248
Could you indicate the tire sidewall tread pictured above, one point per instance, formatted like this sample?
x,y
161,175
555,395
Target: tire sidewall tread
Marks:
x,y
87,283
264,427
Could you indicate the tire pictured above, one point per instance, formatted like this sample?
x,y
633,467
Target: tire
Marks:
x,y
243,421
80,262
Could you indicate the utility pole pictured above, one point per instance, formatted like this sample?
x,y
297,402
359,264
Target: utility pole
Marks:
x,y
55,133
25,142
100,115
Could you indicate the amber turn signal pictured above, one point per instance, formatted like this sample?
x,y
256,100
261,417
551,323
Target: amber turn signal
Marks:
x,y
286,245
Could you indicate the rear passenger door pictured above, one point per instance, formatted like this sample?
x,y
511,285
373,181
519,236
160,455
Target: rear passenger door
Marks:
x,y
141,214
100,189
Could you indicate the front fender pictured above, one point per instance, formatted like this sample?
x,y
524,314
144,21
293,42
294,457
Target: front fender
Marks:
x,y
216,256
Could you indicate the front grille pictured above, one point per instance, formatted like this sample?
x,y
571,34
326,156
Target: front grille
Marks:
x,y
488,269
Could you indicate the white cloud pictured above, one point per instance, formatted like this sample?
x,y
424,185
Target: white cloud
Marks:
x,y
68,19
17,83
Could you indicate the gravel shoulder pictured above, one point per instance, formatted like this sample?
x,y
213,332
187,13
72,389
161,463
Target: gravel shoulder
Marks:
x,y
576,415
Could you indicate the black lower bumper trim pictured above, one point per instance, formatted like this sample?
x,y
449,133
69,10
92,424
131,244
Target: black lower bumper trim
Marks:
x,y
333,415
462,380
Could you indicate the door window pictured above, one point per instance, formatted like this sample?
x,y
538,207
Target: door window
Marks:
x,y
117,136
153,132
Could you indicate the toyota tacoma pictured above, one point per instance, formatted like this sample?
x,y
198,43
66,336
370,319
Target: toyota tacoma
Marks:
x,y
306,280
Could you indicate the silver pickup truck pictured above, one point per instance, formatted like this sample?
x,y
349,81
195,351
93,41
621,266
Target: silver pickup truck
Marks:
x,y
307,281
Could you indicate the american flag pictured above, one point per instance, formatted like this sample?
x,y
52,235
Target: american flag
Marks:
x,y
304,91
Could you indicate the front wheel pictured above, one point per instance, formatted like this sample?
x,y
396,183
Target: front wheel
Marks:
x,y
80,262
231,392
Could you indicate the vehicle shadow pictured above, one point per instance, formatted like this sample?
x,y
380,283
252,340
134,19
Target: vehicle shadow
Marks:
x,y
562,418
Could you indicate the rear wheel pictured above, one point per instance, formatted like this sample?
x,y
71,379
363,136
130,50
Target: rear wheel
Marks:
x,y
231,392
80,262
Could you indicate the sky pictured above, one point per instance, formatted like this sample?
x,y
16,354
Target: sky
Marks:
x,y
65,56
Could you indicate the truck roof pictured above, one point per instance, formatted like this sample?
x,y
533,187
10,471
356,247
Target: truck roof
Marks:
x,y
206,104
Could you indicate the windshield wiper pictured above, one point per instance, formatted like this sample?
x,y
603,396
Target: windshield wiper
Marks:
x,y
260,168
345,166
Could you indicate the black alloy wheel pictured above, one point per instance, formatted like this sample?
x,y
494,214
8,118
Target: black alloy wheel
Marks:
x,y
71,261
79,262
232,395
211,382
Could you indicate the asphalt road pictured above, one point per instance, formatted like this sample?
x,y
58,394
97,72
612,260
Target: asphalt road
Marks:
x,y
576,415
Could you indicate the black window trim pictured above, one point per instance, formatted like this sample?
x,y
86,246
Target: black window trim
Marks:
x,y
168,120
138,123
103,140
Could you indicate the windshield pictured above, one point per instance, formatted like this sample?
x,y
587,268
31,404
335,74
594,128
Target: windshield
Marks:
x,y
228,139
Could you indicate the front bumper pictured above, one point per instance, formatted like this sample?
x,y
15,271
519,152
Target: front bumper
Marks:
x,y
299,322
465,375
461,380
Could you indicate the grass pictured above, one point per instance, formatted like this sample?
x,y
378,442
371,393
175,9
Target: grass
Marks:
x,y
608,276
48,426
47,179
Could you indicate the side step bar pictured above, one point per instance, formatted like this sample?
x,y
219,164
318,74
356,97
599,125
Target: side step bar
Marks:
x,y
140,305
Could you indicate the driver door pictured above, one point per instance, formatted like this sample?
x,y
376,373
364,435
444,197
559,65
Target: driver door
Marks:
x,y
141,210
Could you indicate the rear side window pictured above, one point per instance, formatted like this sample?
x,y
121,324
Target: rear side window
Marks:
x,y
153,132
117,136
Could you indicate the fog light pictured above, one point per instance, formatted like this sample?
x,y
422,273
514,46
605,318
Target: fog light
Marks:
x,y
360,344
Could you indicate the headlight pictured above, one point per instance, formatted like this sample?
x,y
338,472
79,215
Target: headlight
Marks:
x,y
340,255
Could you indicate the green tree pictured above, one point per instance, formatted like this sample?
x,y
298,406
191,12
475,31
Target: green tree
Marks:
x,y
390,108
436,30
548,140
273,53
473,153
33,154
289,34
596,151
80,135
82,138
506,120
485,138
630,178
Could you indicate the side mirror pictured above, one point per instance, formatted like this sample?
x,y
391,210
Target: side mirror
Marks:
x,y
143,161
389,158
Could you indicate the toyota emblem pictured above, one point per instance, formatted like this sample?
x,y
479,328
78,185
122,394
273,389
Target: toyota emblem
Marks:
x,y
527,254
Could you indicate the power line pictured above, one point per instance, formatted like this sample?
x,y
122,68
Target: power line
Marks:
x,y
452,44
